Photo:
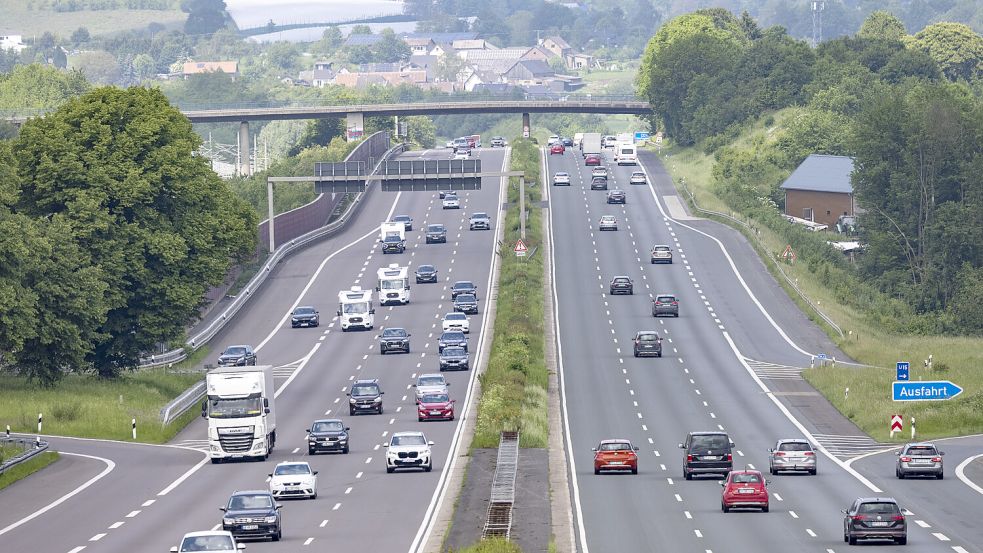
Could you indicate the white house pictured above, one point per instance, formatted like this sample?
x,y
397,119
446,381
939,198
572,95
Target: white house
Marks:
x,y
12,42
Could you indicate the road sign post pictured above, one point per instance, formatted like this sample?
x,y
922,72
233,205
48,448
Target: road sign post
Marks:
x,y
788,254
897,424
937,390
903,370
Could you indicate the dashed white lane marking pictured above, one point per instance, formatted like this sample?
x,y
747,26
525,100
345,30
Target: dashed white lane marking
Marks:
x,y
132,514
679,498
778,497
296,449
77,549
116,525
369,460
336,507
940,536
148,503
923,524
97,537
959,549
323,523
792,514
359,475
348,490
688,515
308,541
810,532
698,533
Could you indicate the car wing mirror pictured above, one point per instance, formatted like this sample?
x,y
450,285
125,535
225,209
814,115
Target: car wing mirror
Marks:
x,y
593,449
843,511
347,429
173,549
732,444
680,446
430,442
315,473
221,509
339,312
636,448
240,546
278,507
371,311
377,289
941,453
308,430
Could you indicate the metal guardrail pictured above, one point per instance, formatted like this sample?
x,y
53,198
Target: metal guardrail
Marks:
x,y
754,236
498,519
30,447
182,403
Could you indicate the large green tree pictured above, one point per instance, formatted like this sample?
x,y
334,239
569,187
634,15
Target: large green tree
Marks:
x,y
118,167
204,16
955,47
882,25
39,86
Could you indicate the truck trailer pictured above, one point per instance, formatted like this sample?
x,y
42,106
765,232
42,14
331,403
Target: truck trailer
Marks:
x,y
591,144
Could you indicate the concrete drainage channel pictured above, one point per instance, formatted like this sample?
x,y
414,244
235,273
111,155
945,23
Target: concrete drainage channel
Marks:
x,y
498,520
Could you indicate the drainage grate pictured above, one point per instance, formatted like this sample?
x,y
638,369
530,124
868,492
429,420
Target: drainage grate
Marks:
x,y
498,520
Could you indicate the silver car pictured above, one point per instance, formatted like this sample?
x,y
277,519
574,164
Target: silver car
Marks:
x,y
599,172
792,455
561,178
608,222
919,459
638,177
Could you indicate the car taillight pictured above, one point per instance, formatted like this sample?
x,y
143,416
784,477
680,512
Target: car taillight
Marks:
x,y
857,517
675,303
780,453
898,517
730,457
936,459
809,453
689,458
905,459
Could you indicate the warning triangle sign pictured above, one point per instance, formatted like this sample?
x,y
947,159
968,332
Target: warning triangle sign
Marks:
x,y
520,246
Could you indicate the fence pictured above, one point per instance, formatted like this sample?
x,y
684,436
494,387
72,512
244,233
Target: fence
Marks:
x,y
183,402
29,448
498,519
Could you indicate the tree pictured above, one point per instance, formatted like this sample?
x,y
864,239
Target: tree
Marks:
x,y
144,67
955,48
39,86
99,67
421,130
118,167
449,66
882,25
282,55
391,48
319,132
80,36
330,41
204,16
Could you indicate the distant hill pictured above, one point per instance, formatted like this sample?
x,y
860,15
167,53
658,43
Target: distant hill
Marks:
x,y
19,19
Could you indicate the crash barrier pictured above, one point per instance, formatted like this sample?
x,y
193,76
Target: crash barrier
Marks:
x,y
29,448
181,403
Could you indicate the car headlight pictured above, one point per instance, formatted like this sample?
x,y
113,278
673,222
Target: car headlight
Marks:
x,y
228,521
270,520
377,400
352,401
294,319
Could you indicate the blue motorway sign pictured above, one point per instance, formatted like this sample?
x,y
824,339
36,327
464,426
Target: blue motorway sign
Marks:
x,y
641,136
924,391
822,356
903,370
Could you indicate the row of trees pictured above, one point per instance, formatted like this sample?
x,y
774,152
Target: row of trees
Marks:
x,y
112,230
908,109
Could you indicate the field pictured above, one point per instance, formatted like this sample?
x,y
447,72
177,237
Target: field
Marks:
x,y
20,19
869,402
608,82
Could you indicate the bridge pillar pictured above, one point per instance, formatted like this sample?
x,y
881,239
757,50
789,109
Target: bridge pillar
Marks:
x,y
354,127
245,168
525,125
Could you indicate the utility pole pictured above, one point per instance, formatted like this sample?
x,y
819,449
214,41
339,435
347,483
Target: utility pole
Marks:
x,y
522,208
817,21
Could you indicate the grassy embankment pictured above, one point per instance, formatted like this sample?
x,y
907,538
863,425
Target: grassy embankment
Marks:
x,y
25,469
20,18
514,385
869,403
89,407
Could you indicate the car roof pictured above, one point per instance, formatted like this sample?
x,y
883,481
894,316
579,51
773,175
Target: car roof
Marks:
x,y
607,216
623,276
455,314
562,173
921,444
430,374
293,463
328,420
408,433
426,265
615,190
746,471
200,533
616,441
479,214
877,500
708,433
464,282
366,381
793,441
251,492
660,246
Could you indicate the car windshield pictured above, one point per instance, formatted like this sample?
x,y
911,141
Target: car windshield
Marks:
x,y
739,478
795,446
304,311
450,196
435,228
235,350
453,336
357,307
392,283
638,174
430,381
435,398
648,337
607,218
463,285
479,215
293,468
365,390
921,450
394,333
454,351
620,446
409,440
709,442
234,408
249,502
879,507
465,298
426,269
455,317
208,543
661,248
401,218
329,426
665,299
562,175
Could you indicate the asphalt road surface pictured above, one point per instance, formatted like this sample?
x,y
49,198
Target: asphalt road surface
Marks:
x,y
359,506
731,362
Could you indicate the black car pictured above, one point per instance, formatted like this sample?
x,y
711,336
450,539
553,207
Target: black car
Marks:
x,y
599,183
394,339
875,518
237,356
616,196
327,435
248,515
464,287
647,342
453,358
707,453
393,244
436,233
665,304
406,220
426,273
466,303
622,285
365,397
305,316
452,339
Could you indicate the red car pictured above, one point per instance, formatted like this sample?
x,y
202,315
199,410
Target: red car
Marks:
x,y
435,407
592,159
744,489
615,455
557,148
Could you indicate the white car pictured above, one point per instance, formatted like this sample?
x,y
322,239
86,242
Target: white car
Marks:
x,y
608,222
637,177
561,179
553,138
217,541
293,479
450,144
456,322
408,450
430,383
599,172
451,201
461,153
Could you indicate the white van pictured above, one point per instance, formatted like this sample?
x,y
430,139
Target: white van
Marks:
x,y
626,154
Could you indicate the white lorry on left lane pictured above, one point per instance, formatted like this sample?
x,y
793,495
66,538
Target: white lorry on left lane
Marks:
x,y
240,412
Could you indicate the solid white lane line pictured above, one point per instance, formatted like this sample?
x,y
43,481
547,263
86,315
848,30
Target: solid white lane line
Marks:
x,y
961,474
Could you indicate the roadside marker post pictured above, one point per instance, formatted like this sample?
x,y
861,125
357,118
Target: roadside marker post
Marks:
x,y
912,428
39,422
134,425
897,424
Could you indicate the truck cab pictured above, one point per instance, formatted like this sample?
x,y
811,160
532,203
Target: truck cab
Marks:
x,y
240,411
394,285
355,309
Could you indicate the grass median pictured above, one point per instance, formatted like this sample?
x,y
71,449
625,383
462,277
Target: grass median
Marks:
x,y
27,468
514,385
87,406
869,403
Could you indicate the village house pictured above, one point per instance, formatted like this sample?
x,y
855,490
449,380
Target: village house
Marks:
x,y
230,68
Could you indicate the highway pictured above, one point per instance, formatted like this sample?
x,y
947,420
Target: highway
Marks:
x,y
359,506
732,361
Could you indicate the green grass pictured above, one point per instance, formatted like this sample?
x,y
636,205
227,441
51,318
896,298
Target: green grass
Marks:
x,y
27,468
90,407
494,545
869,403
514,385
19,19
608,82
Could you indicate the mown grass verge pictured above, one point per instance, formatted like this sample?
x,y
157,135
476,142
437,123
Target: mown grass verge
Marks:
x,y
493,545
514,386
90,407
27,468
869,403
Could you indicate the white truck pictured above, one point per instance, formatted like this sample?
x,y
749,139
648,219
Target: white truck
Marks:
x,y
240,412
393,237
625,153
394,285
355,308
591,144
578,138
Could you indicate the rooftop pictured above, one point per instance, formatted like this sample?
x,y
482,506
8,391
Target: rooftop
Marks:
x,y
822,173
